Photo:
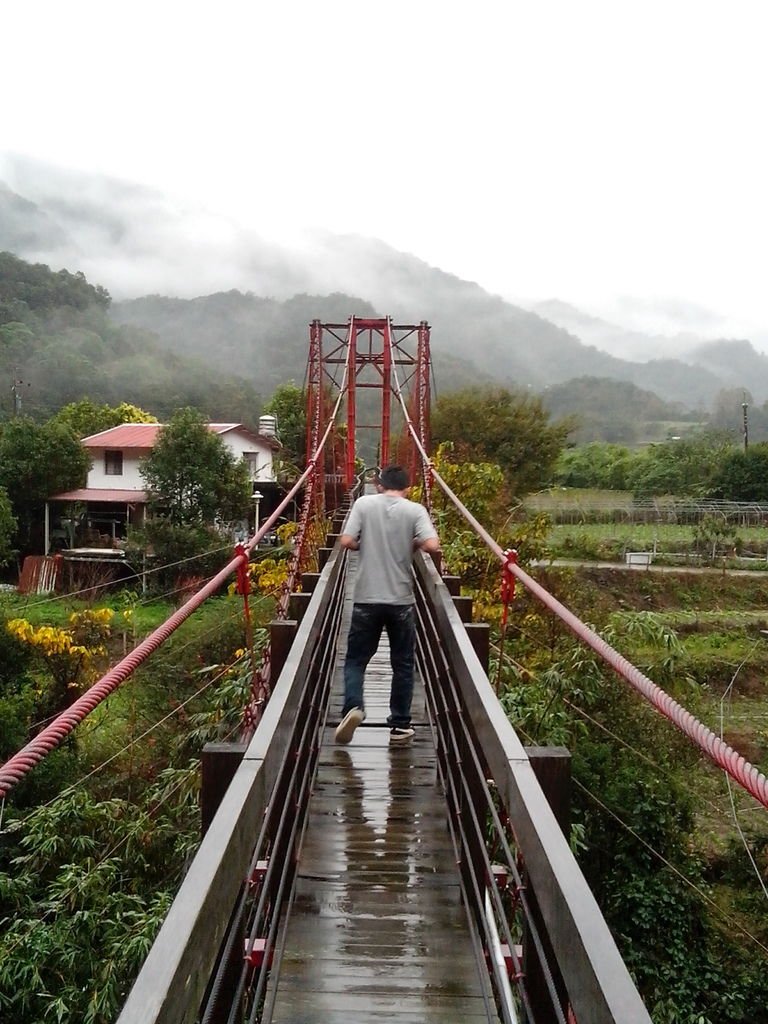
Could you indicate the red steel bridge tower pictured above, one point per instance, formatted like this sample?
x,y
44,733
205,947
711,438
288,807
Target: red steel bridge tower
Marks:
x,y
393,359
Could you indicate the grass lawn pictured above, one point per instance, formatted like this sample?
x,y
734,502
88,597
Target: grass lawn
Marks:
x,y
55,610
669,542
643,536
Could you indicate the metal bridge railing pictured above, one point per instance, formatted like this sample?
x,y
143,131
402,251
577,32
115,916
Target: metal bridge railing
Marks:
x,y
221,931
543,917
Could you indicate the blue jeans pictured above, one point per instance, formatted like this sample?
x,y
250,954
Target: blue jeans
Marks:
x,y
368,621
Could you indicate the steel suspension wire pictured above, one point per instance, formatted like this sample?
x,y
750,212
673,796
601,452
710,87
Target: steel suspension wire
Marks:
x,y
733,763
724,756
418,436
262,678
52,735
311,471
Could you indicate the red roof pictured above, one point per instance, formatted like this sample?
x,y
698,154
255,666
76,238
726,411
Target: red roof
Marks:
x,y
144,435
102,494
127,435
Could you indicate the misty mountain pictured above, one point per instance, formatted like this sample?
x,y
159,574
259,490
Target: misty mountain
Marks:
x,y
615,411
265,340
236,296
24,227
731,360
610,337
58,344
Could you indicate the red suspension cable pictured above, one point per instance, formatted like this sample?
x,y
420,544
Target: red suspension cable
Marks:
x,y
724,756
52,735
30,755
261,684
747,776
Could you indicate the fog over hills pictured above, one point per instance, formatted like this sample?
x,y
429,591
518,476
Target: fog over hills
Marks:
x,y
619,341
137,242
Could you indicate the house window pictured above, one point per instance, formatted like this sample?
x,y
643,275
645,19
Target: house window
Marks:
x,y
252,460
113,463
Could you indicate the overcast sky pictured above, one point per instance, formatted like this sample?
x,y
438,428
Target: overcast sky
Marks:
x,y
605,152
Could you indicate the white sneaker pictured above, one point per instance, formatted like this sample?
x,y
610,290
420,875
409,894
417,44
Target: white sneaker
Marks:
x,y
401,734
346,727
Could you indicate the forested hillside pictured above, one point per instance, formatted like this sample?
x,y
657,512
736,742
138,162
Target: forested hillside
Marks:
x,y
59,344
62,339
616,411
475,338
263,339
136,242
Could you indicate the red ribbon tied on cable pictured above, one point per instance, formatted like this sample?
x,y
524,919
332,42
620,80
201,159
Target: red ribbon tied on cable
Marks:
x,y
243,579
507,582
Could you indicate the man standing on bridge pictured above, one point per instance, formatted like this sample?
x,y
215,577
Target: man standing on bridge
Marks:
x,y
385,529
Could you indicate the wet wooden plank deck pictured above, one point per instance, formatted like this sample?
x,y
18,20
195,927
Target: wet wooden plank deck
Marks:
x,y
377,929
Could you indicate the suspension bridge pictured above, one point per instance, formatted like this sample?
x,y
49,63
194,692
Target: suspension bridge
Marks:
x,y
432,882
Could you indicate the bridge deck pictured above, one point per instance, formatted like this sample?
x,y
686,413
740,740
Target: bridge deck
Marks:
x,y
376,928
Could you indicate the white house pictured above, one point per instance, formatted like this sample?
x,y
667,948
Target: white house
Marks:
x,y
114,495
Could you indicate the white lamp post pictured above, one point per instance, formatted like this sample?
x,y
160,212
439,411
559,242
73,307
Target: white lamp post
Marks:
x,y
256,497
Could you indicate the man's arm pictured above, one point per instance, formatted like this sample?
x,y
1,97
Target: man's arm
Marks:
x,y
425,538
428,545
350,538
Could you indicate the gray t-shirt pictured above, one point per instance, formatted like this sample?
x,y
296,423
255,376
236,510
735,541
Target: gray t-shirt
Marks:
x,y
386,527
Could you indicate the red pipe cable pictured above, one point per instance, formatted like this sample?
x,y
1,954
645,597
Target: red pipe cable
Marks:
x,y
730,760
737,766
47,739
34,751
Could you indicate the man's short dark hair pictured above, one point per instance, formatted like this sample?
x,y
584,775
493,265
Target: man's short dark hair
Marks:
x,y
394,478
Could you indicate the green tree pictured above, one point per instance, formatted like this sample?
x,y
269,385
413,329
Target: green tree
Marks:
x,y
511,428
90,885
714,532
192,477
684,467
35,287
594,465
8,526
480,487
15,339
87,417
742,476
36,461
17,692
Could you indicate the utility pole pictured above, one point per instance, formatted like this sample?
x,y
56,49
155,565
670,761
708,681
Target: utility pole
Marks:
x,y
16,392
745,427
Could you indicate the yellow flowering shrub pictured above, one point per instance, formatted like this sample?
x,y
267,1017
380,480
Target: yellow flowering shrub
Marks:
x,y
267,575
286,531
70,653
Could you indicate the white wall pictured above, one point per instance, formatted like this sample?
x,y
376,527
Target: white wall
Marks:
x,y
241,444
130,479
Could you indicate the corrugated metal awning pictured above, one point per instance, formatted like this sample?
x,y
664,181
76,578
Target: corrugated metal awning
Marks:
x,y
108,494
